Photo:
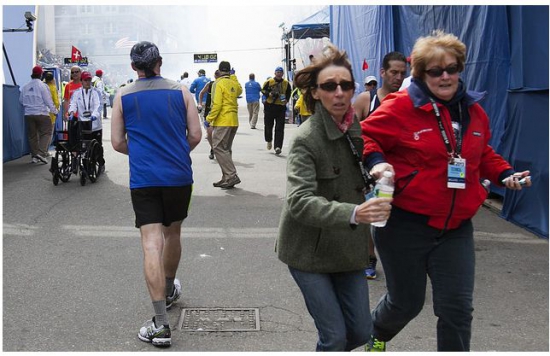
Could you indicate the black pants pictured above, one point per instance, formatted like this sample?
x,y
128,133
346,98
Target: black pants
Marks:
x,y
105,110
411,252
274,114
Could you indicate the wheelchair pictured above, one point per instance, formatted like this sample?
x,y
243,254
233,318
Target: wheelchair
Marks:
x,y
76,153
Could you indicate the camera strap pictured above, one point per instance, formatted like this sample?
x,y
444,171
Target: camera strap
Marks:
x,y
367,178
276,91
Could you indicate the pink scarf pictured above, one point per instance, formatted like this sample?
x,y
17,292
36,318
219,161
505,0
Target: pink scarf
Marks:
x,y
348,120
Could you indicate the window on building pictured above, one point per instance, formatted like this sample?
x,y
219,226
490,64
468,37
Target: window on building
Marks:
x,y
110,28
86,29
110,9
86,9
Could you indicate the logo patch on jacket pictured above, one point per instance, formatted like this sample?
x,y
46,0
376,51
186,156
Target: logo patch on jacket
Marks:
x,y
416,135
477,133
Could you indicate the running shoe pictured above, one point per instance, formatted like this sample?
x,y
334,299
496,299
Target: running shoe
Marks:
x,y
375,345
41,159
176,293
161,336
370,272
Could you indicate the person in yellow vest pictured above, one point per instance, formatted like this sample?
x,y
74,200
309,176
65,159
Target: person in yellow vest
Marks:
x,y
301,107
50,82
277,91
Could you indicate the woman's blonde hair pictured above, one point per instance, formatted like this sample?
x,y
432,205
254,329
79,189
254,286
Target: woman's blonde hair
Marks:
x,y
306,79
435,46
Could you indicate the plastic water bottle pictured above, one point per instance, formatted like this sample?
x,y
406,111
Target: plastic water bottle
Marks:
x,y
383,189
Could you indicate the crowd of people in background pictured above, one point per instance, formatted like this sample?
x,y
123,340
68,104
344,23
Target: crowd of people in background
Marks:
x,y
276,98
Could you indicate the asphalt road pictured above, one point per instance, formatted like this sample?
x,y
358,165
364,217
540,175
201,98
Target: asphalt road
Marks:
x,y
73,281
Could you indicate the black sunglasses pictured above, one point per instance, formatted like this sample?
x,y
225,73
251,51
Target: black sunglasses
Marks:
x,y
75,72
331,86
436,72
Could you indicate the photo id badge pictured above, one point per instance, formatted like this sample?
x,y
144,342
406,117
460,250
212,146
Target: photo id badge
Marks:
x,y
456,174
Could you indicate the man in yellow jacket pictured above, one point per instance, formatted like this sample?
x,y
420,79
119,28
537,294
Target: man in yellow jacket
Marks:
x,y
223,117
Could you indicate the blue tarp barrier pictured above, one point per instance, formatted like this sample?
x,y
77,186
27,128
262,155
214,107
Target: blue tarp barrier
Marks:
x,y
525,144
15,143
528,47
507,57
366,33
525,139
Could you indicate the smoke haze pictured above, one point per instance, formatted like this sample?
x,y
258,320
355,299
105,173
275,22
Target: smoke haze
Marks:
x,y
249,37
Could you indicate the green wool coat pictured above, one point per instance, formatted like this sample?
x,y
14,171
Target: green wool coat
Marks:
x,y
324,184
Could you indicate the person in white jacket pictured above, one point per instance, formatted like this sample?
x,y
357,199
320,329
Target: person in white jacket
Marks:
x,y
85,107
99,85
38,104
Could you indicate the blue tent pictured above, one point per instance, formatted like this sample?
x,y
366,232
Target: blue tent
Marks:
x,y
315,26
18,52
507,57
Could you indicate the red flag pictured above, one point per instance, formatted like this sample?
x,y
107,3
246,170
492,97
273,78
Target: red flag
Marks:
x,y
365,64
76,55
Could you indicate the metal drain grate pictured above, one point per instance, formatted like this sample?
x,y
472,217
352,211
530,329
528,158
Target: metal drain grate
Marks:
x,y
219,319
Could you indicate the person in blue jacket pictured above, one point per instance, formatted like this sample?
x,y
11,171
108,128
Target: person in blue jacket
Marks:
x,y
253,91
198,84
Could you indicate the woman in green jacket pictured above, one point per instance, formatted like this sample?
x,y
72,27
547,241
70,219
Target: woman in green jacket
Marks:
x,y
324,232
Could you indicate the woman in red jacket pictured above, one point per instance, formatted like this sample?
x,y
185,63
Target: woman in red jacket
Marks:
x,y
434,137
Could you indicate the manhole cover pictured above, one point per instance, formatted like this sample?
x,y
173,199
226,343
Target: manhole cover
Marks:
x,y
219,319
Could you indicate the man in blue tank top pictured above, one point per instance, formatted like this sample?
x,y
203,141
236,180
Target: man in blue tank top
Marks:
x,y
156,123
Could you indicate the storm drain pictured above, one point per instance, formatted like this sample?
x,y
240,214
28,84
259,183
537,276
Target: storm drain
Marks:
x,y
219,319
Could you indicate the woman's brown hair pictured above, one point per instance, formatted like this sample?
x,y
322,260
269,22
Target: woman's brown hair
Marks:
x,y
306,79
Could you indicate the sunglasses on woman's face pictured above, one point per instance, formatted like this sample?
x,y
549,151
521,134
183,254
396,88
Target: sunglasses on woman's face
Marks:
x,y
436,72
331,86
